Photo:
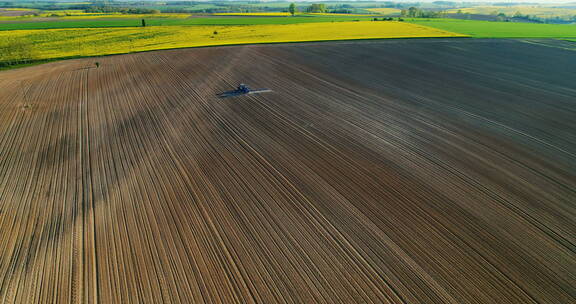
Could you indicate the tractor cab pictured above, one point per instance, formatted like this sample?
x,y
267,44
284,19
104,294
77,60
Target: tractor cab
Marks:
x,y
242,88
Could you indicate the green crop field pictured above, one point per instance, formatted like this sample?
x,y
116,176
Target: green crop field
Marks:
x,y
536,10
255,20
487,29
193,7
86,23
284,4
54,37
131,22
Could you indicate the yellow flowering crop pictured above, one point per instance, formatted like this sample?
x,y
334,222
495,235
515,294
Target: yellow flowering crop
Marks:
x,y
17,9
80,15
60,43
384,10
119,15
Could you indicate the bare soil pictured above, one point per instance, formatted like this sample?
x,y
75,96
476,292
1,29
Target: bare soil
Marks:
x,y
11,13
402,171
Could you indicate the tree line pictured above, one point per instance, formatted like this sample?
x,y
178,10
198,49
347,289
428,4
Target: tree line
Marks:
x,y
322,8
414,12
122,10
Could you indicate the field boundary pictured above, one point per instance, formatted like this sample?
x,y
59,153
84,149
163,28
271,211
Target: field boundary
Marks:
x,y
43,61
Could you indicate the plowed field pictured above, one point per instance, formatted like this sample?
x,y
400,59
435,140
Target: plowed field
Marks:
x,y
421,171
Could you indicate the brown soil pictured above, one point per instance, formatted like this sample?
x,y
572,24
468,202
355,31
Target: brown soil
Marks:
x,y
418,171
10,13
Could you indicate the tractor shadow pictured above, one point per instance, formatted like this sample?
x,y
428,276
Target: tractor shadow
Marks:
x,y
228,94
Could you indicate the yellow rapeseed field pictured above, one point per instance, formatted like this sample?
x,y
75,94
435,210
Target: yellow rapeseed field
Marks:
x,y
79,15
64,12
12,18
17,9
60,43
119,15
384,10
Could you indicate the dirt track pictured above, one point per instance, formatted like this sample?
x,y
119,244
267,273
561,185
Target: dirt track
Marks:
x,y
398,171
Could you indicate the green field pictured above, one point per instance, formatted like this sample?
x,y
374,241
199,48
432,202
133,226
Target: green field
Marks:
x,y
131,22
478,29
73,36
535,10
488,29
192,8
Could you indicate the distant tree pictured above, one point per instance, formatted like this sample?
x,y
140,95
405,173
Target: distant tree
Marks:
x,y
317,8
414,12
341,11
143,23
116,9
292,8
445,3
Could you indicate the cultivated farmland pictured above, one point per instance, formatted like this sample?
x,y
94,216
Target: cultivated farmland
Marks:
x,y
119,21
13,12
418,171
538,11
385,11
61,43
